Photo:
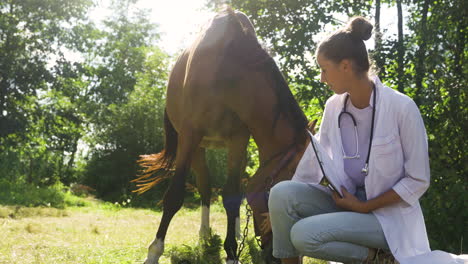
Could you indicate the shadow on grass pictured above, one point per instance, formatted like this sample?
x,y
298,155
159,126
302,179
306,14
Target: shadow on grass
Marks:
x,y
18,212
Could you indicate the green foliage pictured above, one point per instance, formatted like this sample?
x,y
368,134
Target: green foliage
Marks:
x,y
125,112
254,253
39,126
24,194
437,71
128,130
207,251
30,32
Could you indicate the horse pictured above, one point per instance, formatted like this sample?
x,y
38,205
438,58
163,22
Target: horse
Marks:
x,y
222,90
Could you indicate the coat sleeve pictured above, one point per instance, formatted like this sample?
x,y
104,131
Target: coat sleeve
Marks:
x,y
322,135
308,170
415,155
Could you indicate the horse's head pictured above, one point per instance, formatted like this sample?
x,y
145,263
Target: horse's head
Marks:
x,y
311,126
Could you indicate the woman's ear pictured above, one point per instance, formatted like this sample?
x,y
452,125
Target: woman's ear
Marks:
x,y
345,65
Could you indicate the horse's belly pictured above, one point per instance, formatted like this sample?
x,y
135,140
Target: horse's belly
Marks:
x,y
213,143
221,130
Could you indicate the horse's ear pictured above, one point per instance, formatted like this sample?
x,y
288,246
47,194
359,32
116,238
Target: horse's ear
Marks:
x,y
311,126
246,23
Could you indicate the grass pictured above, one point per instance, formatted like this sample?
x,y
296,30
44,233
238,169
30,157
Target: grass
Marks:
x,y
85,230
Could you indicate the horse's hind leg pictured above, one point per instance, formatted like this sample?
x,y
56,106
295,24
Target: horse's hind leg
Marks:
x,y
173,199
232,197
204,187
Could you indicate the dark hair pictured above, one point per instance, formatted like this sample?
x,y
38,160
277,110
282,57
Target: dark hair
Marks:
x,y
348,43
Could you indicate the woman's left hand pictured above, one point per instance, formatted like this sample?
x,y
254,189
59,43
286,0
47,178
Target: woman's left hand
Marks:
x,y
350,202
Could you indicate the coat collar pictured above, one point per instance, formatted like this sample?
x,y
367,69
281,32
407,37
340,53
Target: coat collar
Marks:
x,y
378,87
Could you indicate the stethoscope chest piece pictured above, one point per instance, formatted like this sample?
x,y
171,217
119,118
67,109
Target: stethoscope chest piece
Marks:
x,y
365,169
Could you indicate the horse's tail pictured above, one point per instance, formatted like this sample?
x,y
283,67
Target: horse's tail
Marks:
x,y
156,167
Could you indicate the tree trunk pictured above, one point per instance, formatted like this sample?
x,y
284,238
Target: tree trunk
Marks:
x,y
378,58
459,48
71,162
400,49
421,53
29,179
4,84
456,99
378,34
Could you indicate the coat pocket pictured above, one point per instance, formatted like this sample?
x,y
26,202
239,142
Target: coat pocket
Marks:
x,y
387,156
385,145
407,209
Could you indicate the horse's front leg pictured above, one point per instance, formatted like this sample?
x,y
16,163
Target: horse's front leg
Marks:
x,y
174,196
232,197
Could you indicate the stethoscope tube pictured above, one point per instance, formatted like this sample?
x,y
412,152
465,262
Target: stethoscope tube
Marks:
x,y
356,154
365,169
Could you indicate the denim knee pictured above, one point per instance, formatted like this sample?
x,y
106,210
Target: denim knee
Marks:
x,y
279,196
303,238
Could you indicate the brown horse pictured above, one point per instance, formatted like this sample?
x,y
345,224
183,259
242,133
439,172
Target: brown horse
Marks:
x,y
223,89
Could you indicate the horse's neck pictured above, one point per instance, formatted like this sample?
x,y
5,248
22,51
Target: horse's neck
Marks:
x,y
279,140
281,159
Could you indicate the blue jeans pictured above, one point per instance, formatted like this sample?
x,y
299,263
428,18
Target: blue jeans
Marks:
x,y
306,221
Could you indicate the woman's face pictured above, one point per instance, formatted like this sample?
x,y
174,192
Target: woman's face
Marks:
x,y
335,75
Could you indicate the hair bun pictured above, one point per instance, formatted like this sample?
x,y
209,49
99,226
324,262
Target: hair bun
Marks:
x,y
360,28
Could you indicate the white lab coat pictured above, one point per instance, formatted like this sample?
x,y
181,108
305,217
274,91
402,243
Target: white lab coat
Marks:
x,y
399,160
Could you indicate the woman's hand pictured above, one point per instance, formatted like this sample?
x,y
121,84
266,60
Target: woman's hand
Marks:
x,y
265,226
350,202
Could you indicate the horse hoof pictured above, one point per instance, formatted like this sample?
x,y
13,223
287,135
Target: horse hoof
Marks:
x,y
151,261
155,251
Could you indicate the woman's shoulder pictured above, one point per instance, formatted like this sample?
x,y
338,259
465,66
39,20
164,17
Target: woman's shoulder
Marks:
x,y
393,97
334,100
398,102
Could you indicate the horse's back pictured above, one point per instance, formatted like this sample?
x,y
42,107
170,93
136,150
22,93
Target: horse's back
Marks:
x,y
194,96
206,54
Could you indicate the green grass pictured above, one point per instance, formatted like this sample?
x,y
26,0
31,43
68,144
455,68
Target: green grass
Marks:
x,y
85,230
97,233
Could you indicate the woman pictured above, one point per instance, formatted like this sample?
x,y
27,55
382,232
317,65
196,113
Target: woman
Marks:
x,y
375,137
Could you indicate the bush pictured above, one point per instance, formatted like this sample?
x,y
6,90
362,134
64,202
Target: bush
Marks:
x,y
24,194
205,252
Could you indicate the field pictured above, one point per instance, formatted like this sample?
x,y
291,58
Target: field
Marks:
x,y
95,232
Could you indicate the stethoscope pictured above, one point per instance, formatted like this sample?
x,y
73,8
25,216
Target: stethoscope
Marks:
x,y
365,169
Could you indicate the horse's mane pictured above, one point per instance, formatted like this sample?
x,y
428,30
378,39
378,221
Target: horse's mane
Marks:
x,y
244,54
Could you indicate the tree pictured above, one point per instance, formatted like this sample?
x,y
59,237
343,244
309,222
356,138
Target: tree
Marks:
x,y
421,52
32,132
29,34
400,49
438,54
128,88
